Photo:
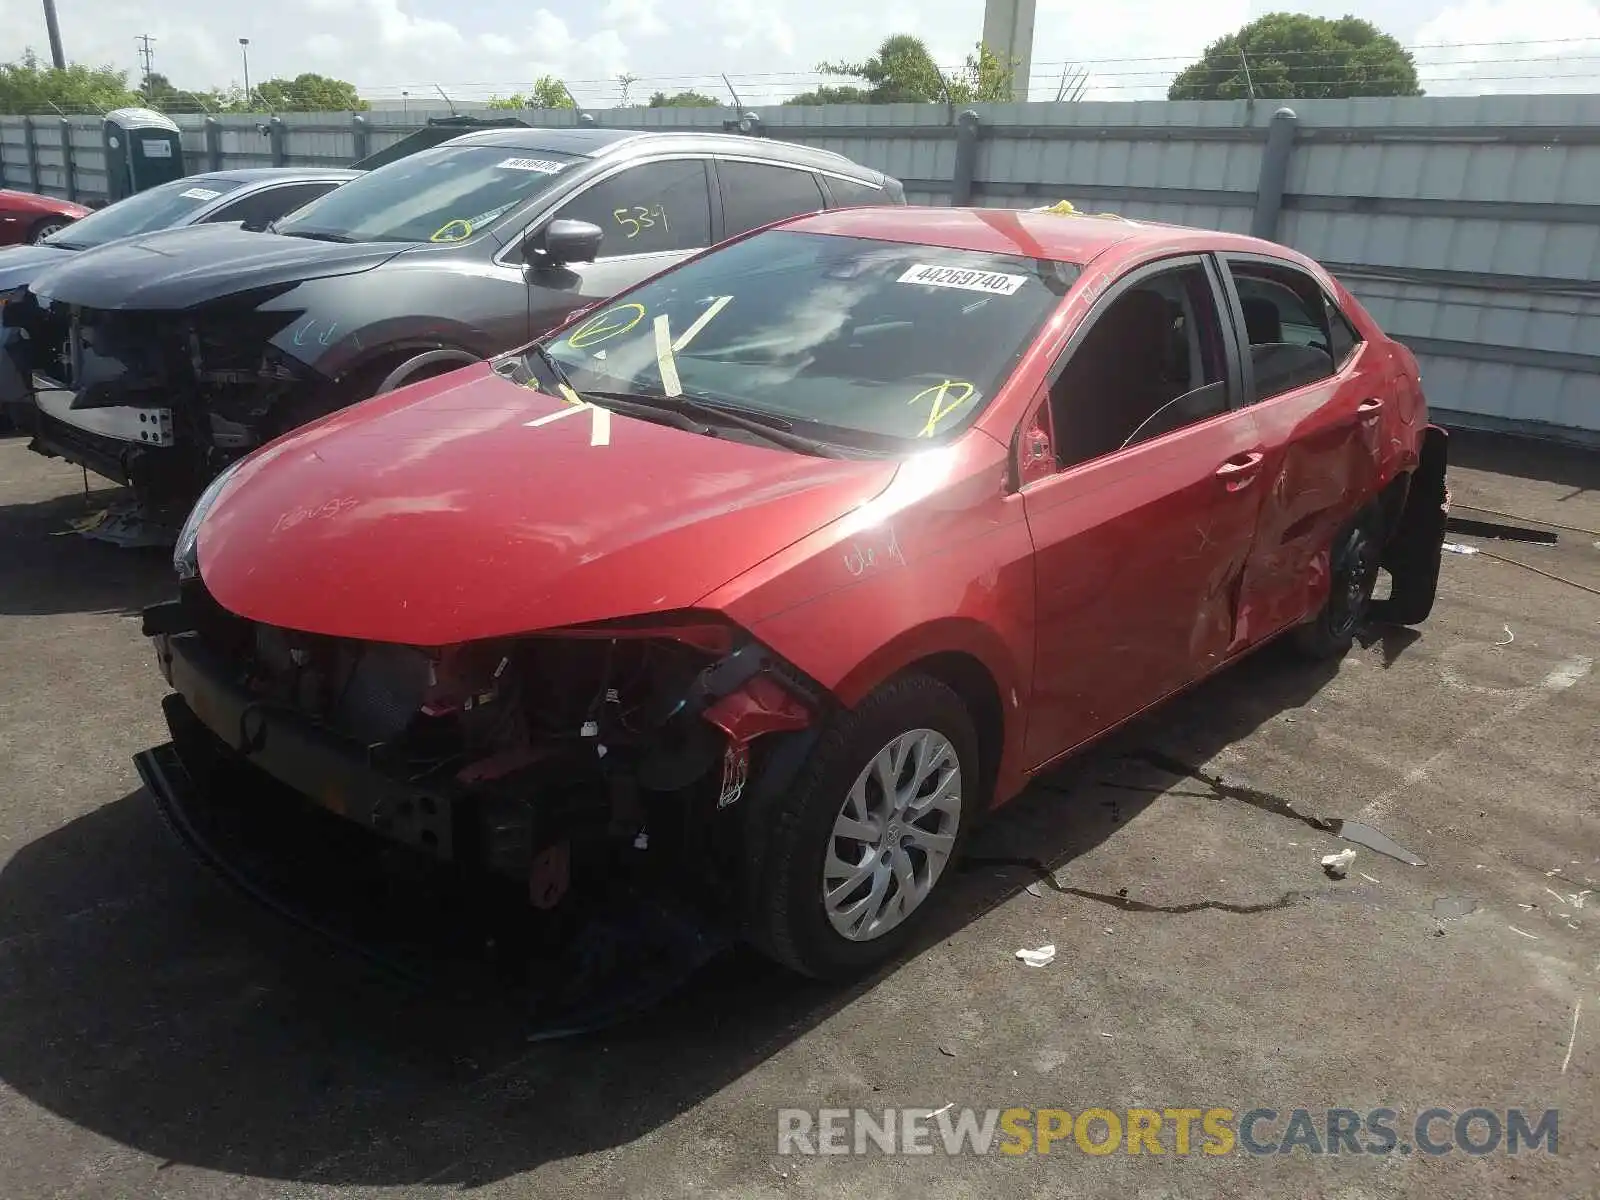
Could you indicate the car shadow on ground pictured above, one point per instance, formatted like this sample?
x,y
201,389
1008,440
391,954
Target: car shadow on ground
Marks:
x,y
1574,467
51,569
138,1002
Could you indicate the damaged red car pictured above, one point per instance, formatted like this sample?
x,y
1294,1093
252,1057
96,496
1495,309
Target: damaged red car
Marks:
x,y
780,570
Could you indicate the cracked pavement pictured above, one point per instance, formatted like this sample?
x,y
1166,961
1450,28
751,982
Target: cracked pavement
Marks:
x,y
161,1037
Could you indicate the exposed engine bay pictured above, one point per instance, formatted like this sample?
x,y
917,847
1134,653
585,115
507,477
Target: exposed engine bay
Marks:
x,y
539,761
215,385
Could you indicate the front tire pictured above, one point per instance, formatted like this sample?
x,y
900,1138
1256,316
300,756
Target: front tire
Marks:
x,y
1353,569
45,228
848,861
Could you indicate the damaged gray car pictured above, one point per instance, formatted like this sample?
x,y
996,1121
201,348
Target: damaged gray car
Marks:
x,y
160,359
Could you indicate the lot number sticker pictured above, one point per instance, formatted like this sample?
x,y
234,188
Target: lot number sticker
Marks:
x,y
992,283
199,193
542,165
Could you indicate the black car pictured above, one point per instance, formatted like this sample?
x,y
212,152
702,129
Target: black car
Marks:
x,y
253,197
202,343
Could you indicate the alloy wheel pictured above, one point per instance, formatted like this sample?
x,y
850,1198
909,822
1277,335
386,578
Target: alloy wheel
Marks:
x,y
893,836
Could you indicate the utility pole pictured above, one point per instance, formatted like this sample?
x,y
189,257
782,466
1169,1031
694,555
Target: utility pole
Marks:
x,y
244,49
145,41
58,56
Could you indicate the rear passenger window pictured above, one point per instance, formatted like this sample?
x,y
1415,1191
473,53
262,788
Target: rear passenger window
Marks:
x,y
852,193
1286,325
648,209
1342,336
755,193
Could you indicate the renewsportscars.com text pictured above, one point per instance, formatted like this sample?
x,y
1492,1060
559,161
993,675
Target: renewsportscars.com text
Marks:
x,y
1179,1131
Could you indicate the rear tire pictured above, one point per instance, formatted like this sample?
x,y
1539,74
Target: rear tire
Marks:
x,y
1353,567
844,868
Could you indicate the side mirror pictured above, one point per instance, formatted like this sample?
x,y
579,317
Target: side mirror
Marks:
x,y
563,242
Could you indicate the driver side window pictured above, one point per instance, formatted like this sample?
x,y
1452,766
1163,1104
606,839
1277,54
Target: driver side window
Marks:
x,y
1151,363
652,208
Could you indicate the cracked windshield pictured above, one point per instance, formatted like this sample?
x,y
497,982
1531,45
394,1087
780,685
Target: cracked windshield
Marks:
x,y
863,340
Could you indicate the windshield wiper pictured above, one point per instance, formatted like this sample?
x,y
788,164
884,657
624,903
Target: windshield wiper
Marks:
x,y
775,430
557,371
319,235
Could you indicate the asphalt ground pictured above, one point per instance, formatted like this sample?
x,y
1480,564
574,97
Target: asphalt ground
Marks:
x,y
161,1036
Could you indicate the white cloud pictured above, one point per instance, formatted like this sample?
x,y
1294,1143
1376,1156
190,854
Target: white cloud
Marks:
x,y
1490,46
634,18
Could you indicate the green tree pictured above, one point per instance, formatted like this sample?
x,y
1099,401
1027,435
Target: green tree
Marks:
x,y
684,100
902,71
1291,56
830,94
27,86
310,93
986,78
547,92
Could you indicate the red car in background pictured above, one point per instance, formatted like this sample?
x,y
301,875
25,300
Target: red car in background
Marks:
x,y
26,218
791,562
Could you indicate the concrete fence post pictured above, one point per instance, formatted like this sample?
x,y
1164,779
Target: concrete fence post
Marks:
x,y
967,130
30,148
1274,174
69,165
278,135
363,136
213,134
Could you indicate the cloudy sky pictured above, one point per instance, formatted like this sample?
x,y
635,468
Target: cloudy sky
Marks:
x,y
769,48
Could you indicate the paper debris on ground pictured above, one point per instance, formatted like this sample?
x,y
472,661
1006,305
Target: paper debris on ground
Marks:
x,y
1338,865
1042,957
1458,548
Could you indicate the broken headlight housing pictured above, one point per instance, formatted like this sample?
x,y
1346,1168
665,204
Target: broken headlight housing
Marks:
x,y
185,556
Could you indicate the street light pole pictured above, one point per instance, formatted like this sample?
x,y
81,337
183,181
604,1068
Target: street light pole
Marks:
x,y
53,27
244,49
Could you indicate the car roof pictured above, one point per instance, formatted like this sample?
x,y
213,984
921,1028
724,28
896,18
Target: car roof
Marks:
x,y
1070,238
604,143
263,175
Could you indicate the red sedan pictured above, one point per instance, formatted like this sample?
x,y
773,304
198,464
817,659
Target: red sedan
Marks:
x,y
26,218
788,564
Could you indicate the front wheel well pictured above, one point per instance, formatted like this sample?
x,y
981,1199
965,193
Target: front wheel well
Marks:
x,y
969,679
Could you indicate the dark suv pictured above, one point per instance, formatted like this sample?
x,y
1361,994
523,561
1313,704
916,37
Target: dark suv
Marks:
x,y
159,359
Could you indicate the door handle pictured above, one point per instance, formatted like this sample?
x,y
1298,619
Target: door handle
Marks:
x,y
1370,407
1240,470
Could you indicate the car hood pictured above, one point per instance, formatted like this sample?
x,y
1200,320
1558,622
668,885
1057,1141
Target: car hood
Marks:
x,y
437,515
20,265
178,268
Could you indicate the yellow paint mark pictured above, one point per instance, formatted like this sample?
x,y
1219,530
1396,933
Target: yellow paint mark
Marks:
x,y
945,399
1062,208
567,394
664,360
602,327
443,234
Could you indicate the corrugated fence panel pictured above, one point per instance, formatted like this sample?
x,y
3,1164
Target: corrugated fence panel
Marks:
x,y
1470,226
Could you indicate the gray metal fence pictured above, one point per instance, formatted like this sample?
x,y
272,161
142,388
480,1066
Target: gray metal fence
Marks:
x,y
1470,226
